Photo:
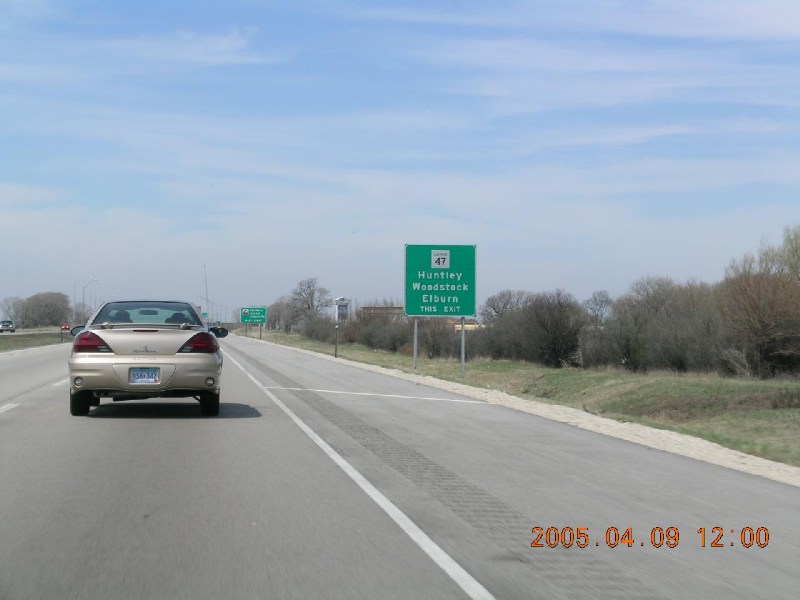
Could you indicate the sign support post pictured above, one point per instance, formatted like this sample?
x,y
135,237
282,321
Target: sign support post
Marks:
x,y
255,315
440,282
416,338
463,350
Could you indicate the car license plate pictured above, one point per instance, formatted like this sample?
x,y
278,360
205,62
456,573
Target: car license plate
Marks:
x,y
149,375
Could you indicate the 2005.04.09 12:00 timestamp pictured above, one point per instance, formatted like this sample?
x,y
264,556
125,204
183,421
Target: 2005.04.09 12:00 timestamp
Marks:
x,y
568,537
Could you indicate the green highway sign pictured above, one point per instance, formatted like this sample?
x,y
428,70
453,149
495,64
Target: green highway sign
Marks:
x,y
440,281
256,315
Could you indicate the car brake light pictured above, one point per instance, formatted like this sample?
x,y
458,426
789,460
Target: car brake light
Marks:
x,y
86,341
202,342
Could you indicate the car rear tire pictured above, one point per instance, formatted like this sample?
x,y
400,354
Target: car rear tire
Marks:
x,y
209,404
80,403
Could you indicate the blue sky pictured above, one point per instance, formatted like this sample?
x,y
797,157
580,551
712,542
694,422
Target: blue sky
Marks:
x,y
579,145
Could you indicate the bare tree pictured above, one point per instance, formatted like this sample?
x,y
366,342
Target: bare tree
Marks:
x,y
685,334
783,259
502,303
595,345
542,328
309,298
554,322
599,307
760,306
280,314
651,294
631,329
437,336
12,308
790,252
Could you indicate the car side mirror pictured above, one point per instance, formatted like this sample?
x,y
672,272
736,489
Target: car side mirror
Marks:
x,y
220,332
77,329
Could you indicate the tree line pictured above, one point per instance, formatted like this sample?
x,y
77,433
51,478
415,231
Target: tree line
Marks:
x,y
747,325
40,310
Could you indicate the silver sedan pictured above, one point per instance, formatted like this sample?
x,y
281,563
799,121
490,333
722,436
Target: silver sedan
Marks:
x,y
135,350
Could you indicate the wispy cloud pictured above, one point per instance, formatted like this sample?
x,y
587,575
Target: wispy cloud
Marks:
x,y
195,154
529,75
15,12
26,196
76,64
580,145
717,19
182,48
471,17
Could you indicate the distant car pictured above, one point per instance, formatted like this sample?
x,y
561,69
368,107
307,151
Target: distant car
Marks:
x,y
136,350
7,326
65,327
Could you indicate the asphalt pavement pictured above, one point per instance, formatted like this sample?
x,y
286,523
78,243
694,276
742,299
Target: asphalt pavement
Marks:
x,y
321,480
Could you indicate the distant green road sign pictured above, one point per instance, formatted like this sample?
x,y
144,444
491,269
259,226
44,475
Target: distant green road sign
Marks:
x,y
256,315
440,281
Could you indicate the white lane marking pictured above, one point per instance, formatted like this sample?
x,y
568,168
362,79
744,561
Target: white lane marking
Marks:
x,y
13,353
445,562
296,389
7,407
60,382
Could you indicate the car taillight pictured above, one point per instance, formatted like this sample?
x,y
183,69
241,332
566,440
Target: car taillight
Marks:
x,y
202,342
86,341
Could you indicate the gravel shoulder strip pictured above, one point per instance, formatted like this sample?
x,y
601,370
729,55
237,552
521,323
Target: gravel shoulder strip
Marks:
x,y
659,439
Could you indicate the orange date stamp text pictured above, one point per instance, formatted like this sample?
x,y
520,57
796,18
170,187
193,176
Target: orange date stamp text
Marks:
x,y
657,537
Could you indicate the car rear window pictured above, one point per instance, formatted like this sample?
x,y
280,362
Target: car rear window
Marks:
x,y
147,313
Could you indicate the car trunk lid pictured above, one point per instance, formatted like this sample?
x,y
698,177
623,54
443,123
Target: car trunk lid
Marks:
x,y
144,340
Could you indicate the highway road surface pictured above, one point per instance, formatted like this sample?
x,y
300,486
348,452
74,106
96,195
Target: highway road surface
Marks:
x,y
321,480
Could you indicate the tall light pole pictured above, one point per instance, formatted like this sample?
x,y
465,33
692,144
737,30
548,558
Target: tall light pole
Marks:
x,y
83,294
205,278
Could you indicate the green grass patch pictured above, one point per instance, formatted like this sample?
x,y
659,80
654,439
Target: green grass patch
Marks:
x,y
16,341
770,433
753,416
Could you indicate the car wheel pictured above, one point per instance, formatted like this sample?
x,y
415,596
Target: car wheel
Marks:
x,y
209,404
80,403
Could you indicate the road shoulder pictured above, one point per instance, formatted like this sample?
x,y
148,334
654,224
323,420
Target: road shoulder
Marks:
x,y
659,439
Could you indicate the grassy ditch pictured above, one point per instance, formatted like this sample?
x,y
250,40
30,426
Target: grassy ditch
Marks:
x,y
757,417
19,341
